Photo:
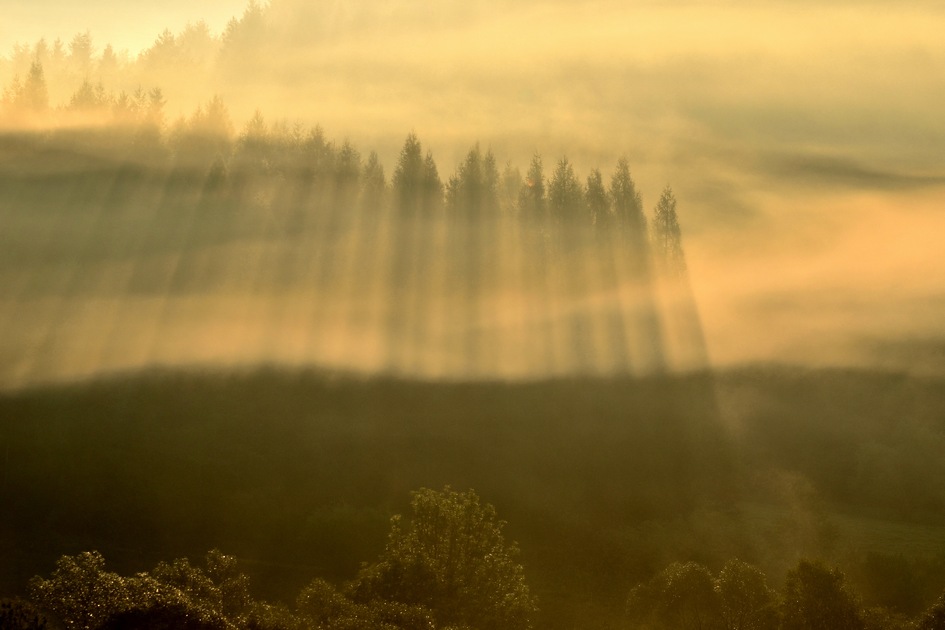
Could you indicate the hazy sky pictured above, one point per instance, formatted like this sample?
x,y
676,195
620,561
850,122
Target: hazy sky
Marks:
x,y
126,25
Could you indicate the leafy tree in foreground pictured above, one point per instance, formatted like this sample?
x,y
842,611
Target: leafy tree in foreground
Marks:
x,y
746,601
451,558
681,597
686,595
816,598
221,589
82,594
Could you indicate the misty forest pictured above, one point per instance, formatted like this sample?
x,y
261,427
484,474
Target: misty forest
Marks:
x,y
474,316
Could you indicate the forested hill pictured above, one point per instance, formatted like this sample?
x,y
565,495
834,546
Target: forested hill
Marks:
x,y
603,481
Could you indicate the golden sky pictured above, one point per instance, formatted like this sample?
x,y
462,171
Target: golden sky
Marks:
x,y
130,26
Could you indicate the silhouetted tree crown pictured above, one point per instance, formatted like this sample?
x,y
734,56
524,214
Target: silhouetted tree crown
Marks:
x,y
667,237
596,201
628,206
681,597
89,97
565,195
531,199
747,603
816,597
452,558
348,166
374,185
473,190
432,185
416,181
511,185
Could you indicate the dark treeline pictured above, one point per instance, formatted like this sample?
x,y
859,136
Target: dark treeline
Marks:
x,y
814,596
85,74
445,271
85,78
454,274
604,482
297,474
447,567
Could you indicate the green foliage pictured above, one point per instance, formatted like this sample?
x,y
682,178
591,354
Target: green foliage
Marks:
x,y
682,597
686,595
221,588
746,601
612,469
816,598
449,567
83,595
320,602
80,592
452,558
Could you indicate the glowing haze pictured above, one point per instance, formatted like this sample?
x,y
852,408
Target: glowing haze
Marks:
x,y
130,26
803,141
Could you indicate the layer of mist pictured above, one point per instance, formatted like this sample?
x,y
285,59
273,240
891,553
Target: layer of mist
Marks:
x,y
295,251
809,191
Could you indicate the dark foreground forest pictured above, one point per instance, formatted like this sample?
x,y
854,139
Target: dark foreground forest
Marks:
x,y
604,483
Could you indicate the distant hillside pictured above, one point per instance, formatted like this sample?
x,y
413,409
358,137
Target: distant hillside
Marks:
x,y
602,481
